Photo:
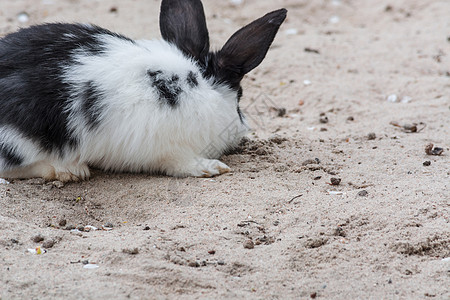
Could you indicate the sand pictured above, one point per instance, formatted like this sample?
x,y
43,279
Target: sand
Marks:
x,y
274,228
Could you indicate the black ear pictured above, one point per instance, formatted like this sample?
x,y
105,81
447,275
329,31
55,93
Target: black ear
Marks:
x,y
246,49
183,23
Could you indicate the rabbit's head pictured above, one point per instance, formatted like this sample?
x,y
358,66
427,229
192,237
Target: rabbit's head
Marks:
x,y
183,23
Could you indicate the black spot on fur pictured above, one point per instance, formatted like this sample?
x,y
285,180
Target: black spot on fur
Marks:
x,y
192,79
168,87
33,94
90,107
11,159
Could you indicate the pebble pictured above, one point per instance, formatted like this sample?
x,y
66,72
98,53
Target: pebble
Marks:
x,y
23,17
70,227
363,193
212,252
291,31
221,263
427,163
133,251
80,228
62,222
311,162
37,238
194,264
335,181
429,150
109,225
147,228
90,266
350,118
371,136
48,244
249,244
324,120
281,112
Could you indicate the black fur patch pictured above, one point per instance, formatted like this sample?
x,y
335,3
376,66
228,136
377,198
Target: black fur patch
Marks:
x,y
12,159
90,106
192,79
33,95
168,87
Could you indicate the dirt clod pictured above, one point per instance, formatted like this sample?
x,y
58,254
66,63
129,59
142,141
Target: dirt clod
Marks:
x,y
335,181
363,193
315,243
324,120
248,244
194,264
48,244
37,238
133,251
371,136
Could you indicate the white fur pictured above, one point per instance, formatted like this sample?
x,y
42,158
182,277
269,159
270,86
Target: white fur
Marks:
x,y
137,131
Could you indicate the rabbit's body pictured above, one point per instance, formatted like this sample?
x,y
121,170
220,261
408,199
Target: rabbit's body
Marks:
x,y
75,95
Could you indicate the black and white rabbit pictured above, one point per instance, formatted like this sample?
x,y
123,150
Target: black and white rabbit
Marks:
x,y
73,96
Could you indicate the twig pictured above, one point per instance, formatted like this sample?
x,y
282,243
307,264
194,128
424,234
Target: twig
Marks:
x,y
298,196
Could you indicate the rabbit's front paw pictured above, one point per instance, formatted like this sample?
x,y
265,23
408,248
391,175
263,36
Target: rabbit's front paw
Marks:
x,y
202,167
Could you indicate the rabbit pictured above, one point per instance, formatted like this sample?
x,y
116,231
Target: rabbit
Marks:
x,y
74,96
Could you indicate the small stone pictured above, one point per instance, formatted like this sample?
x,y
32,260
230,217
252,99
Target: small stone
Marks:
x,y
371,136
427,163
133,251
37,238
324,120
339,231
429,150
350,118
62,222
48,244
323,129
313,295
249,244
310,162
70,227
335,181
80,228
281,112
221,263
194,264
212,252
108,225
363,193
85,262
146,228
317,177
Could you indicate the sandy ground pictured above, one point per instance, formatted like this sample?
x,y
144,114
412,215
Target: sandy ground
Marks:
x,y
382,233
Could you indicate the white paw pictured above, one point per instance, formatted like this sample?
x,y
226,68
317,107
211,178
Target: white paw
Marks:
x,y
72,173
202,167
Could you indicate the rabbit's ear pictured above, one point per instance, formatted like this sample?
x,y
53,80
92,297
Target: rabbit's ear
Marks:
x,y
183,23
246,49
